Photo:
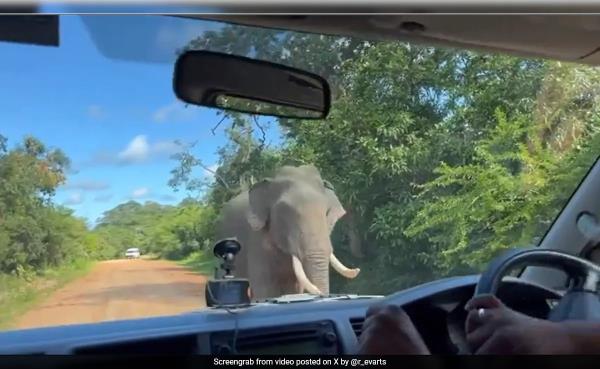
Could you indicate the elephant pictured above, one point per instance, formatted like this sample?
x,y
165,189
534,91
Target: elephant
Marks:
x,y
284,224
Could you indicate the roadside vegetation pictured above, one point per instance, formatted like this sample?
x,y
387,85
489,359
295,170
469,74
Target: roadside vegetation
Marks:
x,y
202,262
18,295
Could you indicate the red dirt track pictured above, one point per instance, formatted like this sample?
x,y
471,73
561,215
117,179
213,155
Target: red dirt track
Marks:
x,y
120,289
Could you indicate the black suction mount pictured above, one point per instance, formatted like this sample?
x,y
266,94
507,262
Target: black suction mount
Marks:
x,y
226,290
226,250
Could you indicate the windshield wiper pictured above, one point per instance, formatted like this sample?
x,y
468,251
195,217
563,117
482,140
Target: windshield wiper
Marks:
x,y
352,296
287,299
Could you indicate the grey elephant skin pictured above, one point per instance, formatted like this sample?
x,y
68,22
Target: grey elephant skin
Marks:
x,y
284,224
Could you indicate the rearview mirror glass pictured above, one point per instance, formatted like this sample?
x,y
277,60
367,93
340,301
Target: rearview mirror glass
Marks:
x,y
238,83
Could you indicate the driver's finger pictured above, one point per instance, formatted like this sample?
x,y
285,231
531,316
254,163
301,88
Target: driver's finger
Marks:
x,y
483,301
478,335
499,343
478,317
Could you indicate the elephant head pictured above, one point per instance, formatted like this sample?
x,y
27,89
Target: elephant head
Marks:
x,y
298,210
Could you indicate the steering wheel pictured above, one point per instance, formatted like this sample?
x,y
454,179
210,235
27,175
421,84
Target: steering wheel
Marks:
x,y
580,302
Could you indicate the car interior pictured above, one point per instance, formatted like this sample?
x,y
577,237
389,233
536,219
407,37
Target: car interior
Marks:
x,y
557,280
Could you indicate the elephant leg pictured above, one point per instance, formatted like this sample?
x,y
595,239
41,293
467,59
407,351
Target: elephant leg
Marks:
x,y
259,290
287,282
271,273
241,264
263,279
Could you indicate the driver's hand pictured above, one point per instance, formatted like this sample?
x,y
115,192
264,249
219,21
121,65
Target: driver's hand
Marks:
x,y
498,330
388,330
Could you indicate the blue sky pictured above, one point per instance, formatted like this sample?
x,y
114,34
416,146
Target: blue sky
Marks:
x,y
116,119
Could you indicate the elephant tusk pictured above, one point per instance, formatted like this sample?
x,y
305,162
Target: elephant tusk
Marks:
x,y
305,284
342,269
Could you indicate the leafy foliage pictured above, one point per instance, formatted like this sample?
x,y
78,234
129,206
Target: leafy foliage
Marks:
x,y
34,233
168,231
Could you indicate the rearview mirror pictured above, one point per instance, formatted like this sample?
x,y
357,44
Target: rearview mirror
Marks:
x,y
247,85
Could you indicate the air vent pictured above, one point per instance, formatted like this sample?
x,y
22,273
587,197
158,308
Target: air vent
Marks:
x,y
305,338
267,339
357,324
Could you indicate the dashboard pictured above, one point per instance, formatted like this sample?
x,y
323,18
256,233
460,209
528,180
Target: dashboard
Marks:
x,y
322,326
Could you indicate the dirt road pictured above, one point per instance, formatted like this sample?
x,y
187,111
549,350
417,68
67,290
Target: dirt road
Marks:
x,y
121,289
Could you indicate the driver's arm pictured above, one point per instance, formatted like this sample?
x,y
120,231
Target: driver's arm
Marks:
x,y
585,337
493,328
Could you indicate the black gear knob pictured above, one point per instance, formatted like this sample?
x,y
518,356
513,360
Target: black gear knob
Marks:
x,y
225,247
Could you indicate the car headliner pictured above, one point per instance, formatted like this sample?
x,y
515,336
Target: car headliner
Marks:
x,y
544,34
565,37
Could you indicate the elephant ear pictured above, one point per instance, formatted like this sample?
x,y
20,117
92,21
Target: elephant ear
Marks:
x,y
335,210
260,203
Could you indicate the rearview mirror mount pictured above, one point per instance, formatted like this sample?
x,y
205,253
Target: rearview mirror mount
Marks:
x,y
237,83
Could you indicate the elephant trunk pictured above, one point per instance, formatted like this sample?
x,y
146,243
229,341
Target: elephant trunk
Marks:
x,y
317,269
312,273
303,229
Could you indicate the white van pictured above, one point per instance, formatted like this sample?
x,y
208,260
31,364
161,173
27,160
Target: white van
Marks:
x,y
132,253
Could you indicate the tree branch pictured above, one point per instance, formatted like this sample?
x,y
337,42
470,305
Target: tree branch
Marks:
x,y
218,124
218,177
263,133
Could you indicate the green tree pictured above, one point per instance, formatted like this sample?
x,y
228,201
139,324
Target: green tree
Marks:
x,y
29,224
520,177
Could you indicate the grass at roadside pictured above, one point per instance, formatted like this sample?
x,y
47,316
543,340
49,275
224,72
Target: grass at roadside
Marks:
x,y
17,295
200,262
150,257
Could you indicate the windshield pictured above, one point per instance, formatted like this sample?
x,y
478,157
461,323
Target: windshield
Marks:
x,y
438,159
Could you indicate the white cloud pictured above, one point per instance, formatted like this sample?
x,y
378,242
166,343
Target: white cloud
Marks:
x,y
175,111
87,185
103,198
75,198
137,150
140,150
96,112
140,192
